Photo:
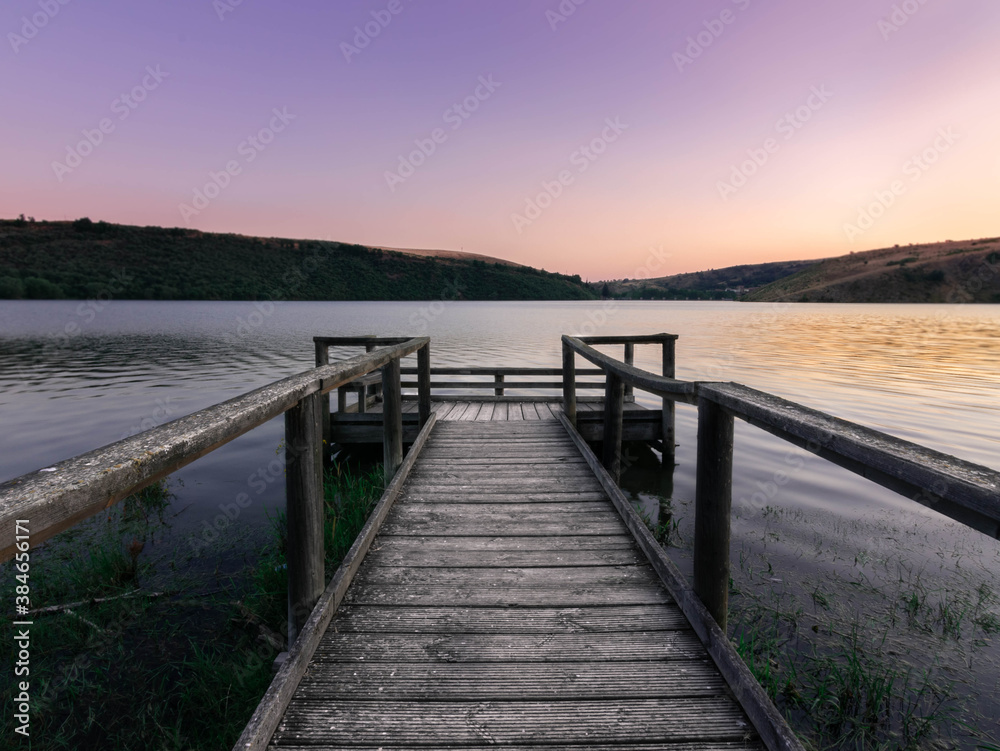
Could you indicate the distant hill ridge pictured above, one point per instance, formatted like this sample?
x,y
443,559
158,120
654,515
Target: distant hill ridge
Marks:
x,y
947,272
85,259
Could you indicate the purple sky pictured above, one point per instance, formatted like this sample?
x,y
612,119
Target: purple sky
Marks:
x,y
700,167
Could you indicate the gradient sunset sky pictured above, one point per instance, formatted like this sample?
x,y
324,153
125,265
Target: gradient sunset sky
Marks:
x,y
667,97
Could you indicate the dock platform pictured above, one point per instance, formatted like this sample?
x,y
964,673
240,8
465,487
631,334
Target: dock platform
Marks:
x,y
505,602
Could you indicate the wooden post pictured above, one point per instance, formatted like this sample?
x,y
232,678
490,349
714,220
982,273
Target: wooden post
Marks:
x,y
629,360
392,420
569,384
323,358
713,502
669,433
614,403
498,391
342,399
424,383
304,509
377,390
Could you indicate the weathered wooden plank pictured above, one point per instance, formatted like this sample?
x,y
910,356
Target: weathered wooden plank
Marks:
x,y
443,409
272,706
706,745
507,471
524,682
492,497
486,413
510,621
514,413
388,556
500,412
584,576
572,647
448,516
622,541
479,510
474,463
557,596
492,527
503,723
508,487
491,443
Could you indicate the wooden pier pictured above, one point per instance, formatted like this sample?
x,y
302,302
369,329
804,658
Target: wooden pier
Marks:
x,y
503,591
504,602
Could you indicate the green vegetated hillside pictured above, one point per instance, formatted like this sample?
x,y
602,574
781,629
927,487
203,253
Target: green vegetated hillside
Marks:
x,y
84,259
948,272
715,284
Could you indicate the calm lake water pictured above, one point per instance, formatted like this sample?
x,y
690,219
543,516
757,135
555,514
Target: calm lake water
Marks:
x,y
75,376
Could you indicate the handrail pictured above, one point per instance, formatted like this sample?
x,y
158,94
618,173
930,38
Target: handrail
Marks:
x,y
966,492
60,496
683,391
930,477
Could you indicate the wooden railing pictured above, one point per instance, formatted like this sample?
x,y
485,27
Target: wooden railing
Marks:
x,y
499,384
392,394
65,494
966,492
618,388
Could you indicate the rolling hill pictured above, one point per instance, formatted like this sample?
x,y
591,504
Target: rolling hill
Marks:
x,y
947,272
85,259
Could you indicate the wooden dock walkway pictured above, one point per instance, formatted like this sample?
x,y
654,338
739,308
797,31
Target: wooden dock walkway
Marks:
x,y
512,595
505,602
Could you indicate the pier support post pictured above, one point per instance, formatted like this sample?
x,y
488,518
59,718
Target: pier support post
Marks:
x,y
569,383
498,391
629,360
713,503
392,420
424,384
668,430
614,404
304,509
323,358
